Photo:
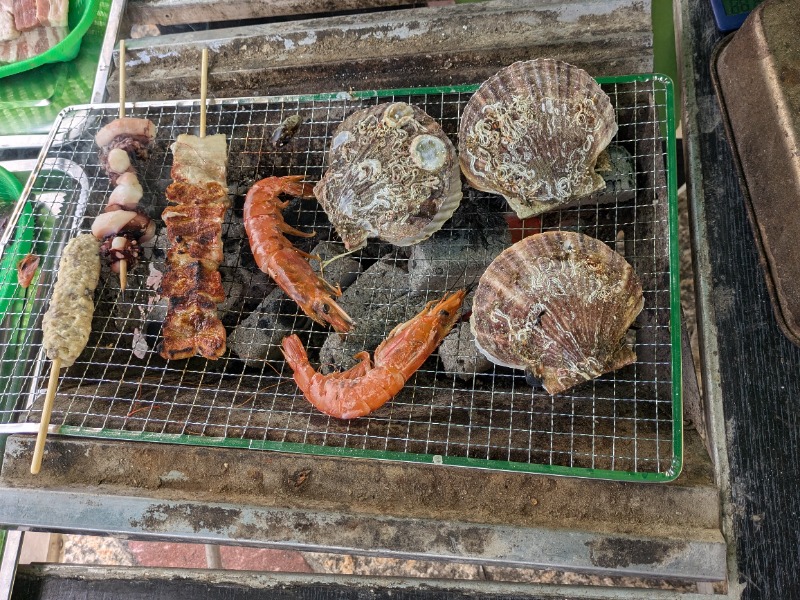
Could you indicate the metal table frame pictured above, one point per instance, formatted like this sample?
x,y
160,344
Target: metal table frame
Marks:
x,y
288,515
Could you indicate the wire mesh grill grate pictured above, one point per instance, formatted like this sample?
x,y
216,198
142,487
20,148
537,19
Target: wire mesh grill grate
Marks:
x,y
623,424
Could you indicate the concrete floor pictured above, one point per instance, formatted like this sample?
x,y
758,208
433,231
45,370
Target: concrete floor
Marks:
x,y
96,550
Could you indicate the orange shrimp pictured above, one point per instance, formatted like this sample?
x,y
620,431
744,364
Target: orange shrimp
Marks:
x,y
278,258
366,387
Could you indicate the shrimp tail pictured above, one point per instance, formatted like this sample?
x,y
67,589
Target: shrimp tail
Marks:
x,y
296,357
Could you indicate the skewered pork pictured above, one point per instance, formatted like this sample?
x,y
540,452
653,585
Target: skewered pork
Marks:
x,y
68,321
199,200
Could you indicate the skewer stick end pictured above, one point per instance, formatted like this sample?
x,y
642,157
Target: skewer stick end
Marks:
x,y
203,90
123,274
47,408
121,78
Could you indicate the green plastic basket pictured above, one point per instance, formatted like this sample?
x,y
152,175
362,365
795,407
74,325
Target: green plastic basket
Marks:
x,y
81,15
10,187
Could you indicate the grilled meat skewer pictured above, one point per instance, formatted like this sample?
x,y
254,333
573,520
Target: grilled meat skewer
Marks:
x,y
199,200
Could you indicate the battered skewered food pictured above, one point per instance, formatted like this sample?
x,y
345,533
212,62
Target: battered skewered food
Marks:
x,y
192,282
68,321
67,324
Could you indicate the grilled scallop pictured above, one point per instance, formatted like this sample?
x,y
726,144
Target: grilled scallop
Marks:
x,y
557,304
393,174
533,132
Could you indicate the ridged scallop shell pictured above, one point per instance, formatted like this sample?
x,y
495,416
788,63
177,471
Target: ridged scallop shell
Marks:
x,y
557,304
532,133
393,174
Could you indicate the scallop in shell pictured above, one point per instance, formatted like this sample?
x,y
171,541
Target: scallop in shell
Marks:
x,y
393,174
533,132
557,304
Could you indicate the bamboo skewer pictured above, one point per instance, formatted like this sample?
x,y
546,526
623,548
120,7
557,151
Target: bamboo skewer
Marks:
x,y
123,264
203,90
121,78
47,408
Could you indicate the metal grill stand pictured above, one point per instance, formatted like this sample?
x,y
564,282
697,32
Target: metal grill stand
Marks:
x,y
624,425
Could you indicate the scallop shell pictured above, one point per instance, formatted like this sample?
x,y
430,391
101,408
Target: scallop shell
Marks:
x,y
532,133
557,304
393,174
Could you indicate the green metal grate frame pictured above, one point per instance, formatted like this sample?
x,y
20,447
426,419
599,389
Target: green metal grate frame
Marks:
x,y
666,122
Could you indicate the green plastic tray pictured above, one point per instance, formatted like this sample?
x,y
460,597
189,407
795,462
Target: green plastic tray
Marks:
x,y
81,15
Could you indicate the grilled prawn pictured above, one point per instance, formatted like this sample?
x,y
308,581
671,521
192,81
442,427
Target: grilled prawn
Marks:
x,y
366,387
278,258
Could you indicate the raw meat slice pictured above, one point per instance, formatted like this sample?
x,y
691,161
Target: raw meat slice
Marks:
x,y
199,160
8,30
25,14
30,43
52,13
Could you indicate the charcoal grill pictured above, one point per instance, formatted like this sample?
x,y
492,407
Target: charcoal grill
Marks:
x,y
624,425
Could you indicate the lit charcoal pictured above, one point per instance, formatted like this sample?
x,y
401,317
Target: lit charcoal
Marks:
x,y
380,298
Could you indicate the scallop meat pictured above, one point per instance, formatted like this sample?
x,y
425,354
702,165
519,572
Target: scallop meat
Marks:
x,y
392,174
533,132
557,304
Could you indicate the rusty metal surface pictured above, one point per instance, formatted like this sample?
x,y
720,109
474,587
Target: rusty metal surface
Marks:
x,y
409,511
171,12
410,47
758,83
370,487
